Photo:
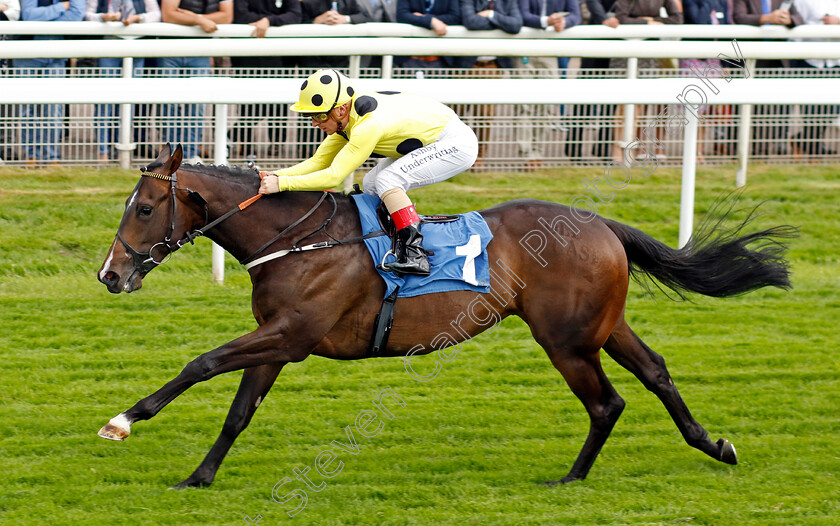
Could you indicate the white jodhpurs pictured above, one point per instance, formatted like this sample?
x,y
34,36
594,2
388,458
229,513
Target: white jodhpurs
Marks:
x,y
452,153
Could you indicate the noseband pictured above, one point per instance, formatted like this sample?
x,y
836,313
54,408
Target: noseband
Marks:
x,y
146,261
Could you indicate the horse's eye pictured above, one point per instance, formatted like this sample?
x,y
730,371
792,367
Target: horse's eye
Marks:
x,y
144,210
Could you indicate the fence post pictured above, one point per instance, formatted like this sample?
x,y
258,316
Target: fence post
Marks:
x,y
125,146
220,112
630,109
743,144
387,66
688,178
744,128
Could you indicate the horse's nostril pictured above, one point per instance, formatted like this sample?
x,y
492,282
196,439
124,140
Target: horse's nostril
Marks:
x,y
110,277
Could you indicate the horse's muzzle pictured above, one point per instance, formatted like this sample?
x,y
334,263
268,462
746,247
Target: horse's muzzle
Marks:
x,y
111,280
116,284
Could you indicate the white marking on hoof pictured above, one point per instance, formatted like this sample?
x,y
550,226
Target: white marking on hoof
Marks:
x,y
727,452
118,428
259,399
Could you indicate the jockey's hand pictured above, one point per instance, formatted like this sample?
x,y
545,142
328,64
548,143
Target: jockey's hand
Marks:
x,y
269,184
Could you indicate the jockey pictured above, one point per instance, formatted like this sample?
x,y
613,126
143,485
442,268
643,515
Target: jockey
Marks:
x,y
420,140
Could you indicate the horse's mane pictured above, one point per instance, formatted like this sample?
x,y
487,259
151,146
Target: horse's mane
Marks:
x,y
234,174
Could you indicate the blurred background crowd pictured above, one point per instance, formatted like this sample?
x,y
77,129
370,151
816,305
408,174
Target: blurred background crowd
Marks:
x,y
517,136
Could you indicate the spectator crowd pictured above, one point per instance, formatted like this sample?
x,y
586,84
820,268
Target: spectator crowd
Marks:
x,y
43,125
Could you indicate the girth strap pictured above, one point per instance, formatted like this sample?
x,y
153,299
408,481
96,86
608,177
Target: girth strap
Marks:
x,y
382,326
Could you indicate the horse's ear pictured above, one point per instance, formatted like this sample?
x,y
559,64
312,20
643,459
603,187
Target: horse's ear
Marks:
x,y
177,157
172,164
163,155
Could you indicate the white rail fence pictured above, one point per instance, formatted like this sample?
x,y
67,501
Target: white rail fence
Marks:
x,y
377,29
402,46
402,39
687,94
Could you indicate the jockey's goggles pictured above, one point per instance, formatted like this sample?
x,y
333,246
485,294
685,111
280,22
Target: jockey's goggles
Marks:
x,y
319,117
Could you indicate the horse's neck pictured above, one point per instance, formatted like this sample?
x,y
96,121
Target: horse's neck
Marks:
x,y
249,229
222,195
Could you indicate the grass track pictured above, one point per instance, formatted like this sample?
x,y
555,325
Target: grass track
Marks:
x,y
468,447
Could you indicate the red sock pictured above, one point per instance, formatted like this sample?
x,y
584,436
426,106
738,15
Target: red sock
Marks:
x,y
405,217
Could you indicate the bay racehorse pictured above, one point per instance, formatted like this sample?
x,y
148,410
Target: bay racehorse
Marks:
x,y
569,284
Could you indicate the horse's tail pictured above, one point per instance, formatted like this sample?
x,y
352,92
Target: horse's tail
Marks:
x,y
716,261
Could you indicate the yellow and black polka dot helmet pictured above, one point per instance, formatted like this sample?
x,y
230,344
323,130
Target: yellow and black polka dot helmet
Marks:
x,y
322,91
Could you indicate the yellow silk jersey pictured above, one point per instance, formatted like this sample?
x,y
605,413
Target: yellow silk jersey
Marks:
x,y
389,124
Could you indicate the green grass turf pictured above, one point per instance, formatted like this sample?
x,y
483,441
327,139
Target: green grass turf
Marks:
x,y
469,447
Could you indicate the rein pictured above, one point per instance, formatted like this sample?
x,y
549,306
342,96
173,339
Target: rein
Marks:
x,y
146,261
296,223
249,264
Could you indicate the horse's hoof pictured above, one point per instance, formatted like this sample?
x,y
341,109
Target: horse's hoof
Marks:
x,y
727,452
565,480
190,483
118,428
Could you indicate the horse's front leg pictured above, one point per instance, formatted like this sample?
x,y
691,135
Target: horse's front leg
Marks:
x,y
267,344
255,384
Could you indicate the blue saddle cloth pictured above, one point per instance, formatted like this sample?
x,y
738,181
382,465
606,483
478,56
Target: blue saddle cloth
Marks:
x,y
460,260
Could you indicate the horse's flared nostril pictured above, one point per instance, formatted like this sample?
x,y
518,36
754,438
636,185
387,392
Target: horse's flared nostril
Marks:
x,y
110,279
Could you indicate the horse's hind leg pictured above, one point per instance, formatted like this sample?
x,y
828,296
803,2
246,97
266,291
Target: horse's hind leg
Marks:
x,y
631,353
255,384
588,382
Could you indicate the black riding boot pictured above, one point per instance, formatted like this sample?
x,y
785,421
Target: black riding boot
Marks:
x,y
411,258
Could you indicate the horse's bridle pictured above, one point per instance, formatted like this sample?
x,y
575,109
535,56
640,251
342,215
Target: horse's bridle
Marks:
x,y
144,262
